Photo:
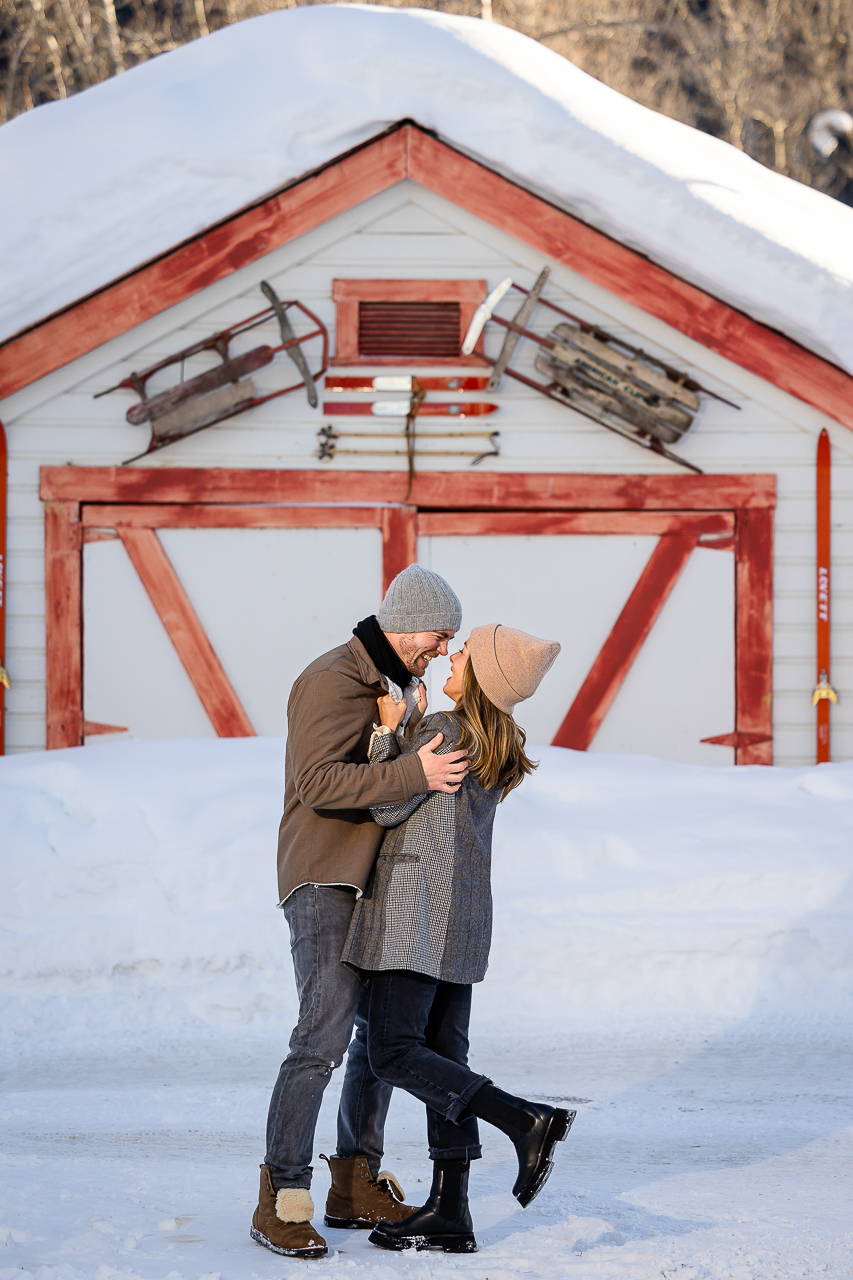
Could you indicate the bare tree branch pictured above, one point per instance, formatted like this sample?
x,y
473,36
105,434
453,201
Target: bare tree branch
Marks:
x,y
753,72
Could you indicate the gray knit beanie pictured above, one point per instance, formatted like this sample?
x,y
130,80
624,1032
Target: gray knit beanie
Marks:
x,y
419,600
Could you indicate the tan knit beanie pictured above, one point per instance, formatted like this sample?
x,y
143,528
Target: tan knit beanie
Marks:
x,y
509,664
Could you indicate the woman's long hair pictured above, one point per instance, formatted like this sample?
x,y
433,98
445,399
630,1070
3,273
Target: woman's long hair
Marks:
x,y
494,742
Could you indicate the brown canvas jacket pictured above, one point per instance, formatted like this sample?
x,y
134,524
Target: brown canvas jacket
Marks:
x,y
327,835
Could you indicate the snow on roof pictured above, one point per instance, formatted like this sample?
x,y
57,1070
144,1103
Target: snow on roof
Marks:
x,y
97,184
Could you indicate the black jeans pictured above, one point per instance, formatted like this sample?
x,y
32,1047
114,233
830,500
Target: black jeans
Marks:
x,y
417,1039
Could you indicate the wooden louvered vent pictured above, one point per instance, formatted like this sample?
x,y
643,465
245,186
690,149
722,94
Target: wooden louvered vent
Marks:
x,y
427,330
404,322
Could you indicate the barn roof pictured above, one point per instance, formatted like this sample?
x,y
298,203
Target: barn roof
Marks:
x,y
95,185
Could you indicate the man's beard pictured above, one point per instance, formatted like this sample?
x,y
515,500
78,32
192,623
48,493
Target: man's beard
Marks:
x,y
411,655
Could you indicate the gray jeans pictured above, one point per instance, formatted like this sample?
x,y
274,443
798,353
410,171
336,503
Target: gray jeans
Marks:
x,y
331,1001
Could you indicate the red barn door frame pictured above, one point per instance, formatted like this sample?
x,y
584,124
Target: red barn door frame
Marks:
x,y
91,503
69,526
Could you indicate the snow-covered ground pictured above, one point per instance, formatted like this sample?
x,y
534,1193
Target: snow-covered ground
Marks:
x,y
673,952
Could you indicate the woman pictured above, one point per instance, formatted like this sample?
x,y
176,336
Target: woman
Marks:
x,y
422,931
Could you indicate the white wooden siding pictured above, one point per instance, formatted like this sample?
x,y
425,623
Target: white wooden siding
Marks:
x,y
408,232
262,596
572,588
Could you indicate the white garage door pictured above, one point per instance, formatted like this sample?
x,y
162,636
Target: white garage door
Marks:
x,y
270,601
680,688
273,599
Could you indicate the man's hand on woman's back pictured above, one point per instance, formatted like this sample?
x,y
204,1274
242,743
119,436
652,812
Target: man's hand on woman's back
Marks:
x,y
443,773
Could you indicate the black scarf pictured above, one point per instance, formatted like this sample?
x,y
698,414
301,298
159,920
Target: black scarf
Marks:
x,y
379,650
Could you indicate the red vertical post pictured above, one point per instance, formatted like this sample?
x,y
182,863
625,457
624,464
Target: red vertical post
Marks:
x,y
64,624
399,542
4,679
824,693
754,634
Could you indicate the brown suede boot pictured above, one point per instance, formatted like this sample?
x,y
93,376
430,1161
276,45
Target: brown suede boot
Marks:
x,y
282,1222
357,1200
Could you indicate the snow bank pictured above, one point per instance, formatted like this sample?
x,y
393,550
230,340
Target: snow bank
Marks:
x,y
137,893
97,184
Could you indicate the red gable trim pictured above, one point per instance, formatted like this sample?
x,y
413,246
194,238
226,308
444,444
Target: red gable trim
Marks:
x,y
202,261
629,275
409,152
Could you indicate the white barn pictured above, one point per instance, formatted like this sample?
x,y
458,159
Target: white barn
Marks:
x,y
383,171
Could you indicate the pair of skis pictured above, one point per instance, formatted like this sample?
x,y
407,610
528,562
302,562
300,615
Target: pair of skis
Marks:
x,y
413,407
406,384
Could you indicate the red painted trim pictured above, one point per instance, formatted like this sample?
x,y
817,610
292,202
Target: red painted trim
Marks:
x,y
437,490
93,728
64,624
678,507
186,633
4,480
98,535
202,261
738,739
754,634
409,152
193,516
720,544
627,637
347,294
471,291
628,275
399,542
438,524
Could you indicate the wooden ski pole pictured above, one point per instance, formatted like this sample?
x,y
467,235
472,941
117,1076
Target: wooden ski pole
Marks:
x,y
824,693
415,403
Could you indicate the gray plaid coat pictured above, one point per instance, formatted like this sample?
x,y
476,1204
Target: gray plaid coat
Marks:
x,y
428,904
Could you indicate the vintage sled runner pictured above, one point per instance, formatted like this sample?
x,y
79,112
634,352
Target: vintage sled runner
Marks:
x,y
617,385
227,389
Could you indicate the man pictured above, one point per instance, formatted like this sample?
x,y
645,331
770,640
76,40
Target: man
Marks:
x,y
327,846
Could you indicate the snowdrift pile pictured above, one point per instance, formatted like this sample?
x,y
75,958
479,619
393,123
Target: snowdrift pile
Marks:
x,y
94,186
137,894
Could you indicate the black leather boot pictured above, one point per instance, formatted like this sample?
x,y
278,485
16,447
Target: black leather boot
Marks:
x,y
534,1129
444,1222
